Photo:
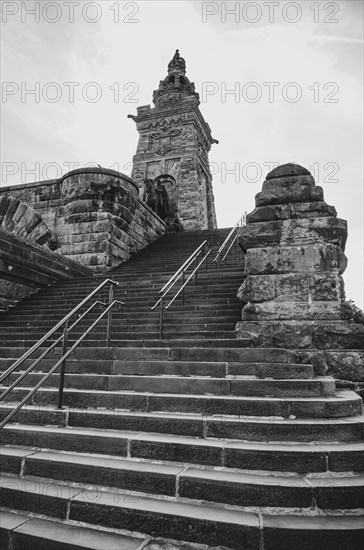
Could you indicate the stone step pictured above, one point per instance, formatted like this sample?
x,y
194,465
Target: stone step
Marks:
x,y
347,403
253,455
188,520
312,425
134,339
174,353
24,531
177,368
217,309
202,385
216,485
148,297
221,316
121,327
148,343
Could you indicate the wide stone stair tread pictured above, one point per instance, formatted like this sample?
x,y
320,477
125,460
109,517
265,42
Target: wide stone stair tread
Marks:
x,y
248,428
201,385
198,521
241,488
344,405
228,453
33,533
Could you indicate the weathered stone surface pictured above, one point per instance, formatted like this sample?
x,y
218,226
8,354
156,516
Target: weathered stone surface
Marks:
x,y
347,365
338,335
315,358
293,292
257,289
293,232
287,259
291,210
294,191
295,310
79,207
294,287
26,266
287,170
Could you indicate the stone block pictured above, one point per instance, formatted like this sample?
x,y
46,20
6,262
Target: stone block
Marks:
x,y
325,286
257,288
291,288
292,335
287,259
293,232
281,310
315,358
281,192
346,364
336,335
271,212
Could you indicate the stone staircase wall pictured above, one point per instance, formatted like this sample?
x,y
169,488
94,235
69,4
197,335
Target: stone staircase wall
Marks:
x,y
91,215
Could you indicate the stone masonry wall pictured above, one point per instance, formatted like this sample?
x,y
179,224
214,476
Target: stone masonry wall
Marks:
x,y
92,216
26,266
293,290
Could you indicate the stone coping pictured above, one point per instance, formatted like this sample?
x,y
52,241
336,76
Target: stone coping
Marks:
x,y
88,170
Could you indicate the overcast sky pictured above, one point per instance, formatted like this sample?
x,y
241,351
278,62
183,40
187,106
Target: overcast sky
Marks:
x,y
294,70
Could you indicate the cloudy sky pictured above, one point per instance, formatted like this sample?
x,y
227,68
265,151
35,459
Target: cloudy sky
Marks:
x,y
279,82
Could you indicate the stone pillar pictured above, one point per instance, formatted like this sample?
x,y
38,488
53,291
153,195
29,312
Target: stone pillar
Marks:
x,y
293,292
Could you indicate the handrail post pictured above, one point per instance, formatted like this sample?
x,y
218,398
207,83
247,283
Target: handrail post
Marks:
x,y
161,319
196,271
183,289
63,367
108,329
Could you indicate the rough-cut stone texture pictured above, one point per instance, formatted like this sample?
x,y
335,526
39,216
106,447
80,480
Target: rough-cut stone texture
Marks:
x,y
292,290
26,266
174,140
92,216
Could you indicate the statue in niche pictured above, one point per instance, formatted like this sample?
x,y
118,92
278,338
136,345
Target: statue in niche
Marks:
x,y
161,204
156,196
149,196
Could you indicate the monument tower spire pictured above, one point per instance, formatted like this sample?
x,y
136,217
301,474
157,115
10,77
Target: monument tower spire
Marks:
x,y
171,162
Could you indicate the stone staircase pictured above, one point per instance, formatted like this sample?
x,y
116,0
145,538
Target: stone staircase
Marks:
x,y
194,441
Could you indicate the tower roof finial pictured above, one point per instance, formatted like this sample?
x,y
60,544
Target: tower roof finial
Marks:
x,y
177,64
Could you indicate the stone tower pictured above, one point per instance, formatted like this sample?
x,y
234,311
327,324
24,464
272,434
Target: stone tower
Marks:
x,y
171,165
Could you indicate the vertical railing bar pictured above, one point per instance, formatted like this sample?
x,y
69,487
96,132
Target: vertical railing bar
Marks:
x,y
63,367
161,318
108,328
183,289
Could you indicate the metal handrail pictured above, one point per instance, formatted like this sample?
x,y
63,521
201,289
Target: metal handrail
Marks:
x,y
60,361
183,267
45,353
175,278
38,344
189,278
241,222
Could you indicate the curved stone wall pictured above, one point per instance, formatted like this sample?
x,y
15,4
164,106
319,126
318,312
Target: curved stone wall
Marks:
x,y
94,215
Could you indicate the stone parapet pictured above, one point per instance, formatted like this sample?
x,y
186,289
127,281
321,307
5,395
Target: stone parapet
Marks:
x,y
91,215
27,266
